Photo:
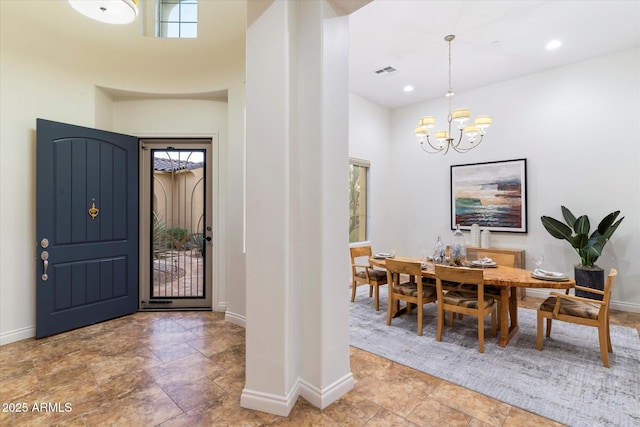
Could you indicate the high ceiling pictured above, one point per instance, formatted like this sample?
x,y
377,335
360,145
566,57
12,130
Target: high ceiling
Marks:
x,y
495,40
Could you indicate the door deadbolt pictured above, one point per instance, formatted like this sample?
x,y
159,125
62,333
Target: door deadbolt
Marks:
x,y
44,243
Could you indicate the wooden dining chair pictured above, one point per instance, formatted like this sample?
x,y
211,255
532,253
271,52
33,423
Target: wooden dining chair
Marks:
x,y
493,292
583,311
413,292
462,301
362,273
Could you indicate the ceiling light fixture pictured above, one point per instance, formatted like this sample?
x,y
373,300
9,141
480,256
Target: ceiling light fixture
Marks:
x,y
108,11
461,115
408,88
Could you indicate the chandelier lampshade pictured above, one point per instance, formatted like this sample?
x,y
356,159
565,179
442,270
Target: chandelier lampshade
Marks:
x,y
443,138
108,11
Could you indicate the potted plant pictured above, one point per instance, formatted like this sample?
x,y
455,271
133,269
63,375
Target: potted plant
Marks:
x,y
589,246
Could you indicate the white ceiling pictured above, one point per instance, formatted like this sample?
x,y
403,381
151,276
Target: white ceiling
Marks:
x,y
495,41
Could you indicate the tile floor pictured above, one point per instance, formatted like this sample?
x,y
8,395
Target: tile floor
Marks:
x,y
187,369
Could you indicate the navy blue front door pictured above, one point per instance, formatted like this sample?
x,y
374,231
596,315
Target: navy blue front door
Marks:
x,y
86,226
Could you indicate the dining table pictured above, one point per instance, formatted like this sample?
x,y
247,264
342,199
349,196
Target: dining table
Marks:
x,y
506,279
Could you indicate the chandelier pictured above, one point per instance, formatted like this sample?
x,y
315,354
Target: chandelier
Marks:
x,y
443,138
108,11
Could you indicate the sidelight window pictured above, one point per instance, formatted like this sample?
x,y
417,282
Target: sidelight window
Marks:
x,y
358,192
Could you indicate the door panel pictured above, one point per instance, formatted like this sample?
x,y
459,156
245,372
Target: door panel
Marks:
x,y
92,261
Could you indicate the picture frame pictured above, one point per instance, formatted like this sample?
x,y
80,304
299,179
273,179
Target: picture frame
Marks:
x,y
491,194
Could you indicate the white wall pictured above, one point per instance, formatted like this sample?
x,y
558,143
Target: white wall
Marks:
x,y
577,126
41,77
369,139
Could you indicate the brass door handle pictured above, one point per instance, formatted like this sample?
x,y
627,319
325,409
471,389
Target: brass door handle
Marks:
x,y
44,256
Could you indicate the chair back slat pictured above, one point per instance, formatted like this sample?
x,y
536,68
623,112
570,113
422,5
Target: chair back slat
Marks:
x,y
474,276
403,267
359,251
507,260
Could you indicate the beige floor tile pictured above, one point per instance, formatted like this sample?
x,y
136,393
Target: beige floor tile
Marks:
x,y
170,352
385,418
185,370
352,409
141,358
431,413
14,387
198,393
520,418
147,407
476,405
398,389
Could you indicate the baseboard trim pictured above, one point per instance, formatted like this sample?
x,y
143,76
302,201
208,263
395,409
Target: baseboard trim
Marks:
x,y
236,319
282,405
270,403
325,397
625,306
17,335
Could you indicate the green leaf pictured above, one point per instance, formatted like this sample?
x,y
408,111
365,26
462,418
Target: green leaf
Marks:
x,y
582,225
592,255
613,228
606,222
597,244
579,241
556,228
569,218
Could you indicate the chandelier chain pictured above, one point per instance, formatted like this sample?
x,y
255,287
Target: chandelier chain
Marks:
x,y
450,88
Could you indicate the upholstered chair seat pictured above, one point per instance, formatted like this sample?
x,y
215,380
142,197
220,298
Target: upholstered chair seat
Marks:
x,y
411,289
464,299
380,275
572,308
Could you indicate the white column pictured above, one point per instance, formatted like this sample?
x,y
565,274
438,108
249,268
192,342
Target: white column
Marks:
x,y
297,322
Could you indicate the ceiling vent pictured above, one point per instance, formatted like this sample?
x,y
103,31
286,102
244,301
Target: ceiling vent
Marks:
x,y
385,71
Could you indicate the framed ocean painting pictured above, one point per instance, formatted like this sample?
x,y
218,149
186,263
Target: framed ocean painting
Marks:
x,y
492,195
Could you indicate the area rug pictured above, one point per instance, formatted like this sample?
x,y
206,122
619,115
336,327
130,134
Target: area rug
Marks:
x,y
565,382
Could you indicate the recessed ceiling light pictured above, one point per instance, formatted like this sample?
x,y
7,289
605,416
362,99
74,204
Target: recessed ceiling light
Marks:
x,y
553,44
408,88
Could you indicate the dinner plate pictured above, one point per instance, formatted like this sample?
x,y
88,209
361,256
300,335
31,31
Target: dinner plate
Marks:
x,y
382,255
562,278
478,263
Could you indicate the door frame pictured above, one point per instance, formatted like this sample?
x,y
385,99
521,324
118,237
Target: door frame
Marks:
x,y
213,196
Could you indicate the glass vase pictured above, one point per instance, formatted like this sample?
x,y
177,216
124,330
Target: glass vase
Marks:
x,y
439,252
458,250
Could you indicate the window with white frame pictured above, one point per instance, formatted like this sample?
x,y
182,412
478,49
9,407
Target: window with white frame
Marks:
x,y
177,19
358,192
